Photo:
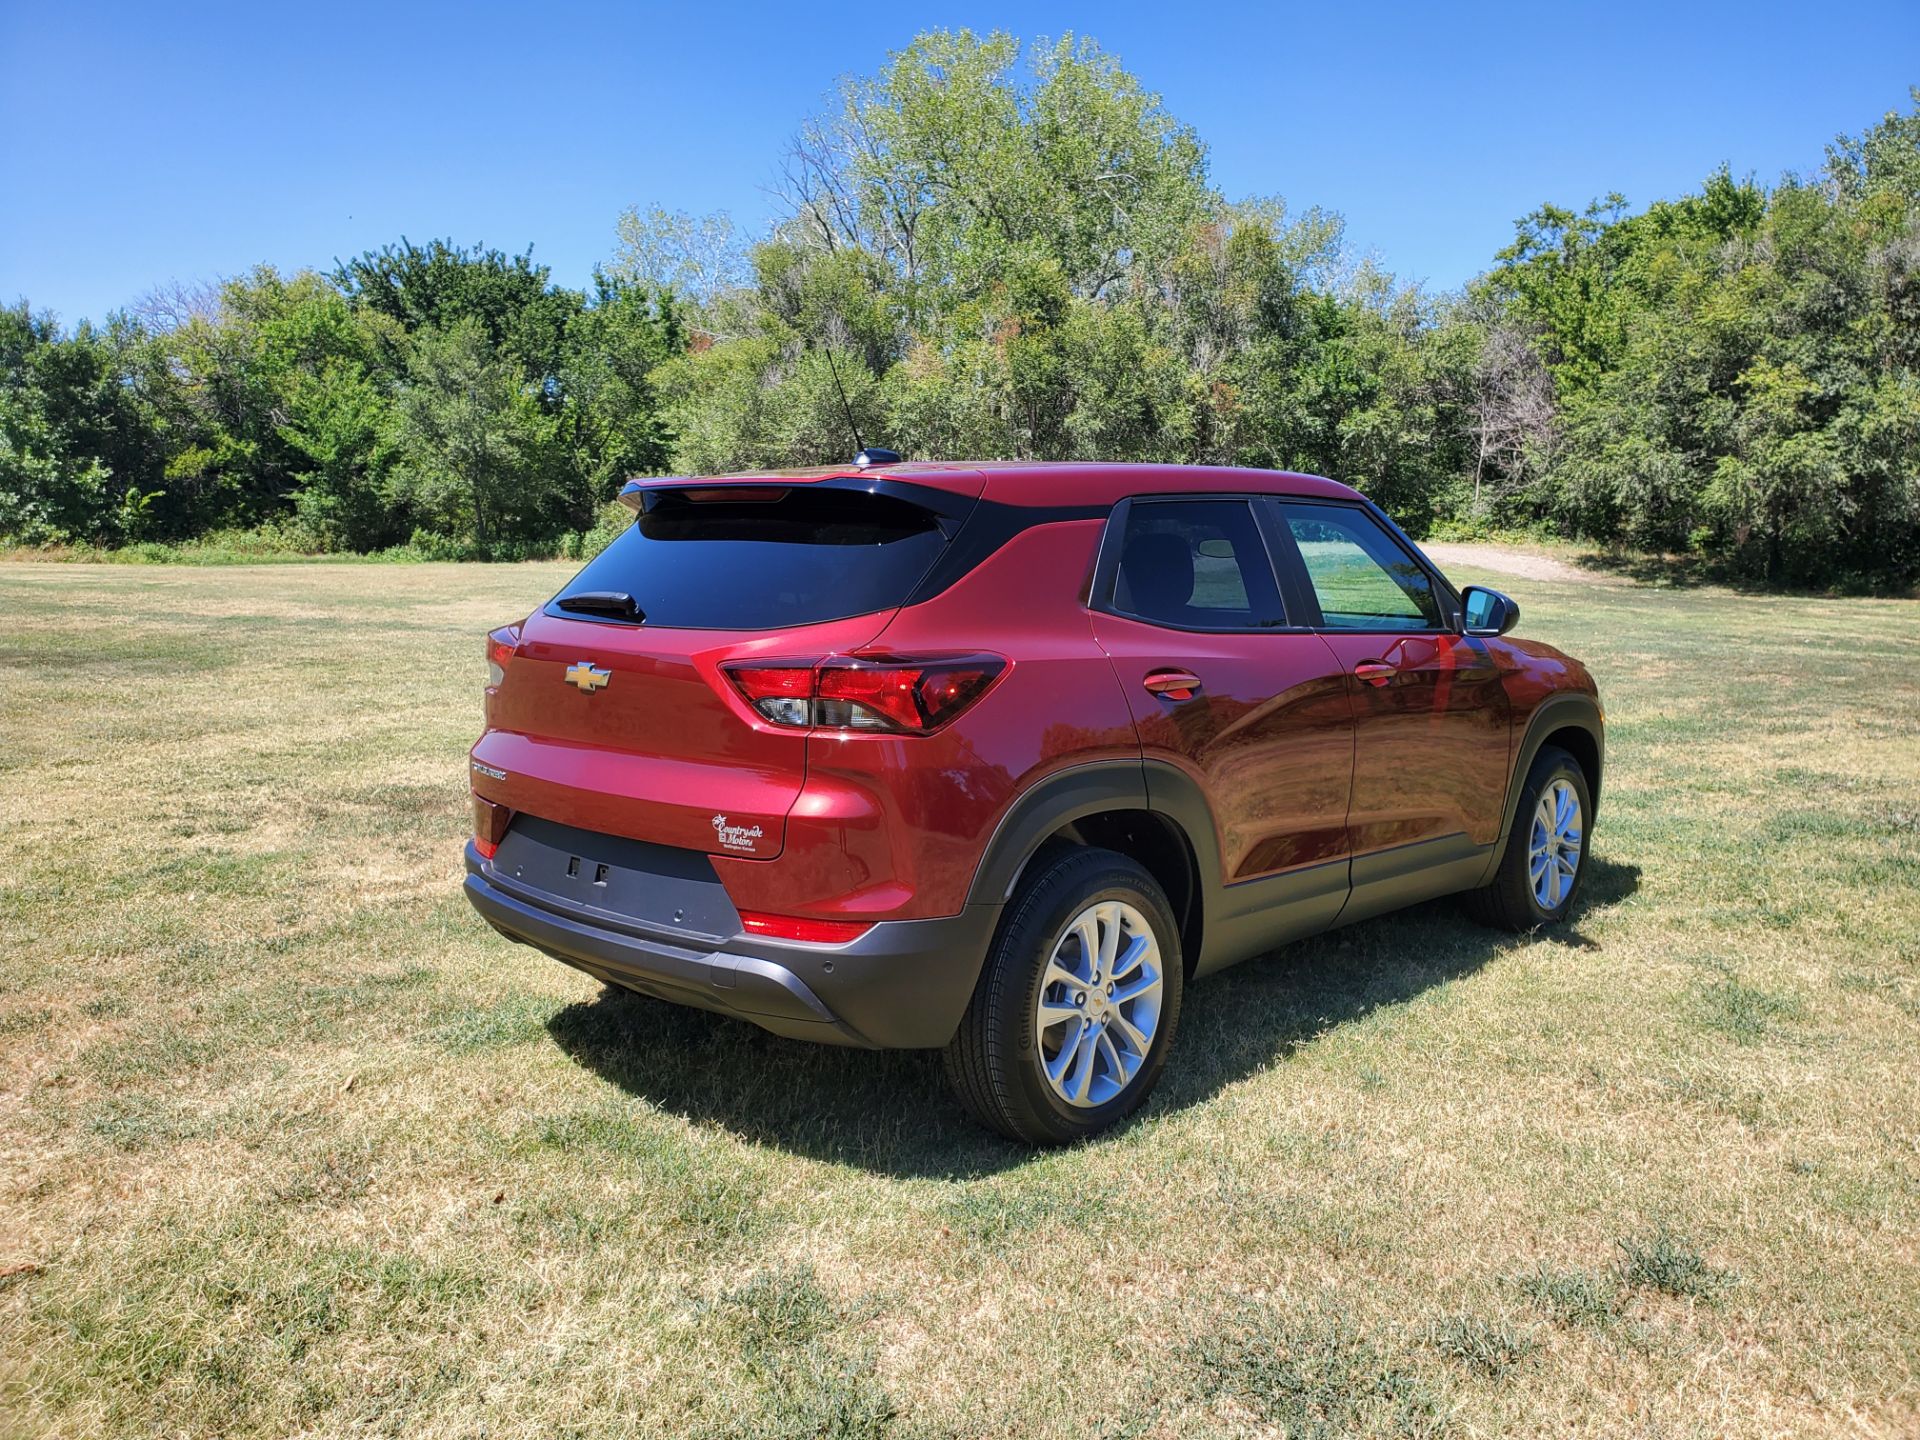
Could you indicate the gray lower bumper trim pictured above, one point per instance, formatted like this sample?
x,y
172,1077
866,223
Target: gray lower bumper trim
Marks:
x,y
752,989
904,984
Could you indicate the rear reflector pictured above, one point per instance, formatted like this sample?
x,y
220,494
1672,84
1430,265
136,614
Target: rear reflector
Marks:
x,y
893,694
793,927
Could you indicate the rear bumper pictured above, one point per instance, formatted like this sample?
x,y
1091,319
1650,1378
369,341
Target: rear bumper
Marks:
x,y
903,985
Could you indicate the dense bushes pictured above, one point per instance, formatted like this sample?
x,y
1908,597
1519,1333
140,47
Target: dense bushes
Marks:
x,y
451,401
1735,371
992,252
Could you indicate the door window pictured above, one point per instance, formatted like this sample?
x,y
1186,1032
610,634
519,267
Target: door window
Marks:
x,y
1359,574
1196,565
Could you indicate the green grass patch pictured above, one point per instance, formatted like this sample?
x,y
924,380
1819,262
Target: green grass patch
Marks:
x,y
1492,1347
1671,1264
1574,1297
1312,1374
1746,1012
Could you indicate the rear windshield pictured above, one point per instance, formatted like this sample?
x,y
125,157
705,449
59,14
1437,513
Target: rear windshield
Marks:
x,y
803,556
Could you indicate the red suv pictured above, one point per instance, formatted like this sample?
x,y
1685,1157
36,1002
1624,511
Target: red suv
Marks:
x,y
998,757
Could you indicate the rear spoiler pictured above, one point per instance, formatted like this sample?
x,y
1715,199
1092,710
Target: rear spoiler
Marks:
x,y
638,495
633,494
950,503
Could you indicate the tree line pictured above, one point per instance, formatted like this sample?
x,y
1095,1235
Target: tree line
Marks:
x,y
997,250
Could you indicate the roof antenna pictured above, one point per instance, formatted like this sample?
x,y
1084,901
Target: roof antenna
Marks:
x,y
852,424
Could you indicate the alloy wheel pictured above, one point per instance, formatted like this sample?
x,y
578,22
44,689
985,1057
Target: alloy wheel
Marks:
x,y
1099,1004
1553,849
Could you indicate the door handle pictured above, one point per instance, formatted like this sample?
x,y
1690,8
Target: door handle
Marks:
x,y
1375,672
1173,684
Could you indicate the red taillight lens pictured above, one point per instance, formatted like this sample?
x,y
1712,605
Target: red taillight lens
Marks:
x,y
490,823
896,695
501,644
782,693
766,682
876,697
813,932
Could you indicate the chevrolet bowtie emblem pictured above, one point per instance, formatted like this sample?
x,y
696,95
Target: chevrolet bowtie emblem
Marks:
x,y
587,676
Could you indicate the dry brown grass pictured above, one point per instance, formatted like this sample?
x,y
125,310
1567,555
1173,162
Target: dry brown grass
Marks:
x,y
291,1144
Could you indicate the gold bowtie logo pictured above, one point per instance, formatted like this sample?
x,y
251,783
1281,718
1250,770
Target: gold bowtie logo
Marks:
x,y
586,675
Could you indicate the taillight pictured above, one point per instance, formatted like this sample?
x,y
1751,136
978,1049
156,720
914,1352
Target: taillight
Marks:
x,y
782,693
892,694
490,823
500,648
794,927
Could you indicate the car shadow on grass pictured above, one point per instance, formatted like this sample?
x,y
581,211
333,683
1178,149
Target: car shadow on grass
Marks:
x,y
890,1112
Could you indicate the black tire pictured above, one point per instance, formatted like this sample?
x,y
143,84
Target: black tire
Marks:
x,y
1508,902
994,1062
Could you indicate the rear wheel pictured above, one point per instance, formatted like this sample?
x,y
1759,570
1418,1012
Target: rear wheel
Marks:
x,y
1547,852
1076,1007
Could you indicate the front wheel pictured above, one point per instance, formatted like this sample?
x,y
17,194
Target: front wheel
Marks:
x,y
1546,857
1076,1007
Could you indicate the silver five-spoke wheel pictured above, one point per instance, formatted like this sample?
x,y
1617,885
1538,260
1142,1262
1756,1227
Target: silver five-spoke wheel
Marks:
x,y
1099,1005
1553,849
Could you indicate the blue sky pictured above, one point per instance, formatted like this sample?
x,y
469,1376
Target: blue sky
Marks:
x,y
142,144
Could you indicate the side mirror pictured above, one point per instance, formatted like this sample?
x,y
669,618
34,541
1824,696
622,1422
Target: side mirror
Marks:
x,y
1488,612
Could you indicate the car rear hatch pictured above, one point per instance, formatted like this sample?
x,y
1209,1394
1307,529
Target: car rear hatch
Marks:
x,y
612,713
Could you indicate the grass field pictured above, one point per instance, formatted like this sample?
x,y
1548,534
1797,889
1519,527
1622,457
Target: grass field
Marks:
x,y
294,1145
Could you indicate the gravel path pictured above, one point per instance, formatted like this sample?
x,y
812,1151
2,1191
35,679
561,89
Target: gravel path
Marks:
x,y
1524,563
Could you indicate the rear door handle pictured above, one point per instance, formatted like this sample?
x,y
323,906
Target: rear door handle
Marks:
x,y
1173,684
1375,672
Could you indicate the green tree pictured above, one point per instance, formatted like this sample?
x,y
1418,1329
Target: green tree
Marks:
x,y
341,420
81,451
611,425
1880,167
1732,368
238,382
474,444
964,155
522,315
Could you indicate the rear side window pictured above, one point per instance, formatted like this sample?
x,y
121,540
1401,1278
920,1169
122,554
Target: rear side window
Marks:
x,y
1197,565
790,556
1362,579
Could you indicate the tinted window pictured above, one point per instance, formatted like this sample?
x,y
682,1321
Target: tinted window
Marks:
x,y
1361,577
796,557
1199,564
